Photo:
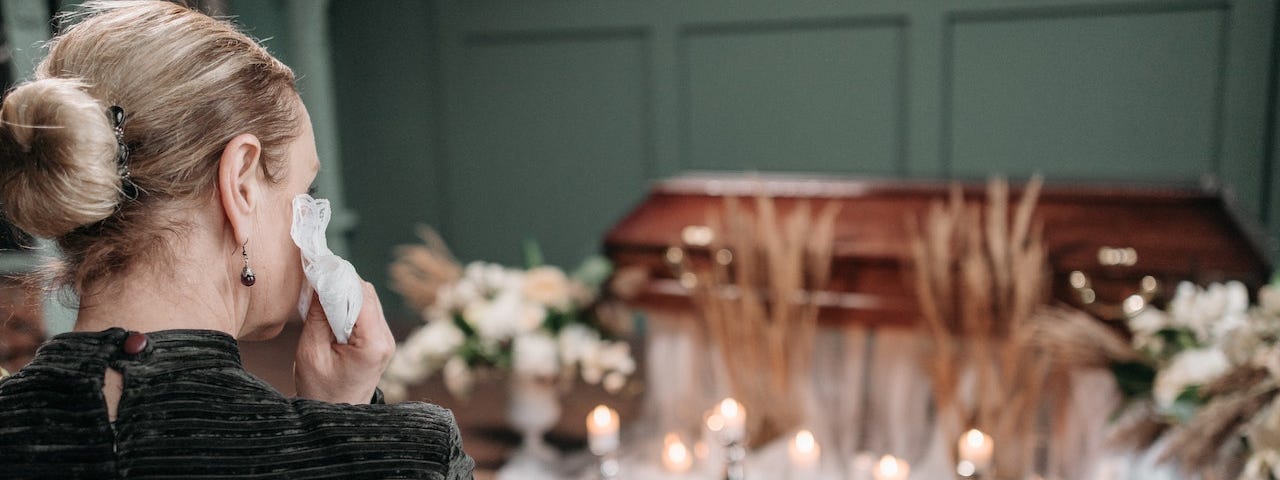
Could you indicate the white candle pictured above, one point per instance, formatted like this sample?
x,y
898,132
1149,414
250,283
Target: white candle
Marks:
x,y
735,419
602,430
675,456
891,468
804,452
976,448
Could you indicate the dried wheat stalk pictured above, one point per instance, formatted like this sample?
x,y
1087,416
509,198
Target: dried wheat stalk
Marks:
x,y
756,306
980,279
421,269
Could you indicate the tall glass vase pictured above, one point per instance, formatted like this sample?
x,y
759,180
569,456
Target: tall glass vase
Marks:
x,y
533,408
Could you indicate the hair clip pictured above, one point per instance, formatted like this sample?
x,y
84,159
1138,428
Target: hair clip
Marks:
x,y
130,190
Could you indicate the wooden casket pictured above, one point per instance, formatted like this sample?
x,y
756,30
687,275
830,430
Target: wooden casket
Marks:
x,y
1122,240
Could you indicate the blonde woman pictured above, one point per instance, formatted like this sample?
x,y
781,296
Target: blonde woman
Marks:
x,y
161,149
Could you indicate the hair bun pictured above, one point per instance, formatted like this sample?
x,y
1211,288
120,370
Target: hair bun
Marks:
x,y
58,167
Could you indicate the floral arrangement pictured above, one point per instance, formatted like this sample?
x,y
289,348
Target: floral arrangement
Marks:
x,y
1205,378
540,322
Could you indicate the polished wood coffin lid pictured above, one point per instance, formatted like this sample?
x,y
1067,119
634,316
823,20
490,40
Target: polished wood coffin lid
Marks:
x,y
1175,233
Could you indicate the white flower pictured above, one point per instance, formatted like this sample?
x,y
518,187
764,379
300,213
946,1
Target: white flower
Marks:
x,y
534,354
1144,326
591,373
497,320
575,341
458,295
548,286
438,340
1269,300
605,357
531,316
614,381
486,278
424,351
457,377
616,356
1187,369
1202,310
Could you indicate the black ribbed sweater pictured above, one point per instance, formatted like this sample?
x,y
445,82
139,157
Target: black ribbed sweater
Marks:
x,y
190,410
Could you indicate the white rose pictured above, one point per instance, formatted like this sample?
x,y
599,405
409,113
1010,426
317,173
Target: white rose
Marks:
x,y
534,354
457,377
1144,326
463,293
548,286
616,356
1189,368
1237,298
1202,310
501,319
1269,300
531,316
495,276
575,340
474,272
591,373
439,339
614,381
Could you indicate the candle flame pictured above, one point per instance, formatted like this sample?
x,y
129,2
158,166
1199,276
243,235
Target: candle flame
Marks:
x,y
975,437
888,465
602,416
730,408
805,441
675,449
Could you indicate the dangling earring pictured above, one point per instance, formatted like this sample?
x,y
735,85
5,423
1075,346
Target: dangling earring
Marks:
x,y
246,275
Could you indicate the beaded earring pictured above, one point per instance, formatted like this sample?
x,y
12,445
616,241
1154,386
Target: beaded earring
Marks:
x,y
246,276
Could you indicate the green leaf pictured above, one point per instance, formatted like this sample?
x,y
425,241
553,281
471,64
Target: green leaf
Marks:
x,y
532,253
1135,379
1177,340
461,323
1187,404
593,271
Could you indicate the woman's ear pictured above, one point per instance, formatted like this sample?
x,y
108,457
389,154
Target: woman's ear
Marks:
x,y
240,185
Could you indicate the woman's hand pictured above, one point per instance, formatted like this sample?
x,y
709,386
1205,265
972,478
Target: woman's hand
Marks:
x,y
326,370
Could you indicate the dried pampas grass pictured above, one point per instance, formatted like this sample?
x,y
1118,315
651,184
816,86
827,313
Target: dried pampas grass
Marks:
x,y
754,297
421,269
981,277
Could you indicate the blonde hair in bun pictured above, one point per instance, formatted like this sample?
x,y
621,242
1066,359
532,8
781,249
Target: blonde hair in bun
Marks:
x,y
188,84
61,173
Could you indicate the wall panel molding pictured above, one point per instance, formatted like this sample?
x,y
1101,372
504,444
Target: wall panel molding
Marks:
x,y
754,107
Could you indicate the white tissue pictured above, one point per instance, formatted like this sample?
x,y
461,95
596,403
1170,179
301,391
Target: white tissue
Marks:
x,y
333,279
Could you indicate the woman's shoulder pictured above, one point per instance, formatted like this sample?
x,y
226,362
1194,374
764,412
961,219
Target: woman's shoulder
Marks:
x,y
423,430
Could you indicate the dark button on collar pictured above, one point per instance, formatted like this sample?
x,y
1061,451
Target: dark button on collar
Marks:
x,y
135,343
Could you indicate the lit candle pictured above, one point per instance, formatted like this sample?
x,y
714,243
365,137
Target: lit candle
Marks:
x,y
976,448
602,430
675,456
804,452
735,419
891,468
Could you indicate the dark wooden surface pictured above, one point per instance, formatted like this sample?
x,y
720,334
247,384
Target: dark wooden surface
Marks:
x,y
1178,233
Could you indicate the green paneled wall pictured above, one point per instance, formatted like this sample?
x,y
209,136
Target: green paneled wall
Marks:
x,y
501,120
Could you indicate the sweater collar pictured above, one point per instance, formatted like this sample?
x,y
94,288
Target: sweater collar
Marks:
x,y
164,350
